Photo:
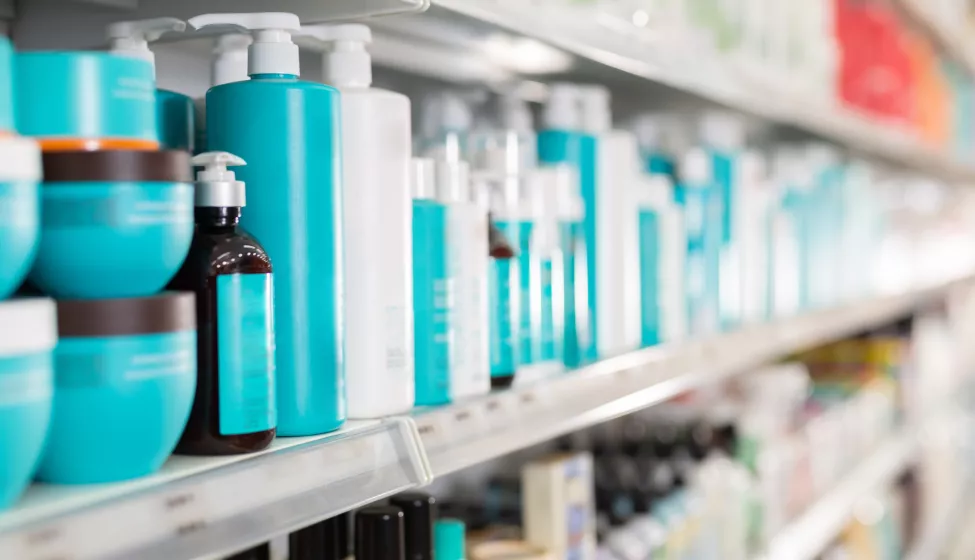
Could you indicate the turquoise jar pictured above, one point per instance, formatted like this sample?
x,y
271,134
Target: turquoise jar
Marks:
x,y
28,334
6,86
86,101
176,117
125,375
20,172
114,223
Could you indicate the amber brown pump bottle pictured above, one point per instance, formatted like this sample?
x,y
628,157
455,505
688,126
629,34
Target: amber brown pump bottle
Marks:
x,y
234,409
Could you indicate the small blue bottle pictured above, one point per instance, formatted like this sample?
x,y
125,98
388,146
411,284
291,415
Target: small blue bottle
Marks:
x,y
288,132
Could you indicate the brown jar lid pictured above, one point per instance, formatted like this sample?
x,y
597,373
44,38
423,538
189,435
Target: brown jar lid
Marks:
x,y
163,313
167,166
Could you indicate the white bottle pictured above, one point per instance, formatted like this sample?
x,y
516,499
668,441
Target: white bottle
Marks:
x,y
376,156
617,274
661,234
467,253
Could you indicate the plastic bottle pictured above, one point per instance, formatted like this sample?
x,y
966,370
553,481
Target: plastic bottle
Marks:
x,y
234,410
377,226
697,197
419,511
449,540
379,534
228,64
175,113
288,131
562,142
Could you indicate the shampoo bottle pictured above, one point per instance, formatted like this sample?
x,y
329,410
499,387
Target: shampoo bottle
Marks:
x,y
234,410
175,113
288,131
377,227
561,141
698,199
432,288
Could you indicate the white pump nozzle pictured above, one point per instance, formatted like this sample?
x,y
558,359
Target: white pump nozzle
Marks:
x,y
217,186
272,51
346,62
132,38
229,59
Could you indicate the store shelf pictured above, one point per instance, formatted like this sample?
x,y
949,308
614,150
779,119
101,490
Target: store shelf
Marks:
x,y
467,433
204,506
718,81
810,534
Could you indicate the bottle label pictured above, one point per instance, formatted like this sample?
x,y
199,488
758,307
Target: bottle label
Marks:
x,y
245,353
650,288
26,379
502,314
433,303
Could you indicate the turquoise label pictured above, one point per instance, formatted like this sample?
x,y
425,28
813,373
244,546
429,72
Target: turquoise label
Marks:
x,y
245,353
26,379
502,315
580,151
660,164
432,301
6,86
574,328
649,232
85,95
548,347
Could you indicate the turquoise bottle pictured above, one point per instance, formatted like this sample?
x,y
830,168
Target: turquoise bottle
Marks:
x,y
287,130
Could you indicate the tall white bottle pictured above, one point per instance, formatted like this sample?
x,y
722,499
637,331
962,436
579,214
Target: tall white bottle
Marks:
x,y
617,273
467,255
376,156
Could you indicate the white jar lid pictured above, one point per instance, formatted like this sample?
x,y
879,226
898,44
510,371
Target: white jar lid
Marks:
x,y
27,326
20,159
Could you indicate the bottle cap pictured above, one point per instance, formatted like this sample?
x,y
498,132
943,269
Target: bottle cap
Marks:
x,y
723,130
596,114
217,186
695,169
321,541
562,110
445,111
132,38
453,183
346,62
272,51
229,59
165,166
20,159
423,182
418,515
448,538
27,326
379,533
514,114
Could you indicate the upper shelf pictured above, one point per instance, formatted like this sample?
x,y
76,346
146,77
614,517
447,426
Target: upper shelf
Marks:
x,y
468,31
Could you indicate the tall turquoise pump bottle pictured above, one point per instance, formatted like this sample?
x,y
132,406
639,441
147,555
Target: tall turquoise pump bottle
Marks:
x,y
175,114
288,132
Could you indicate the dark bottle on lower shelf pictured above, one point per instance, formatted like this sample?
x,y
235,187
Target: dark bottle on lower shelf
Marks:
x,y
419,512
259,552
325,540
234,410
379,534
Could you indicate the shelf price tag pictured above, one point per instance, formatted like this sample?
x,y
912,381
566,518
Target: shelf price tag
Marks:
x,y
434,431
185,511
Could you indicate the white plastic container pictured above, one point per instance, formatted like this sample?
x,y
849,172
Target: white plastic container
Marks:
x,y
376,153
467,254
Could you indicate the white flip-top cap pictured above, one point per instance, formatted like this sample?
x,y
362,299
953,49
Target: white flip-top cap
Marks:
x,y
445,110
346,62
272,51
724,130
423,182
562,110
132,38
217,186
596,114
20,159
230,59
695,169
27,326
453,182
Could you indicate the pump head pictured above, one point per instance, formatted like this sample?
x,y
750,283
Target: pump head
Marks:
x,y
217,186
272,51
562,109
346,62
229,62
132,38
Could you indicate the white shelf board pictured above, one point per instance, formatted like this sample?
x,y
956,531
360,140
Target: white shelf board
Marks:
x,y
466,433
809,535
205,506
715,80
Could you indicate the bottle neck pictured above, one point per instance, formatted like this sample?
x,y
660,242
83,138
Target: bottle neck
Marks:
x,y
221,218
273,76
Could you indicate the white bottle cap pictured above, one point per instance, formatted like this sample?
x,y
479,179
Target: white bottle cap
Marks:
x,y
445,111
346,62
723,130
229,59
27,326
272,51
20,159
562,110
514,114
132,38
695,169
423,183
453,182
596,113
217,186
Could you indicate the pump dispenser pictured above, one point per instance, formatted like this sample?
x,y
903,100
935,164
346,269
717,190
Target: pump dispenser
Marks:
x,y
229,64
376,152
234,408
288,131
174,111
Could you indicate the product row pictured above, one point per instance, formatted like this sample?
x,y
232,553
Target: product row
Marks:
x,y
863,54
